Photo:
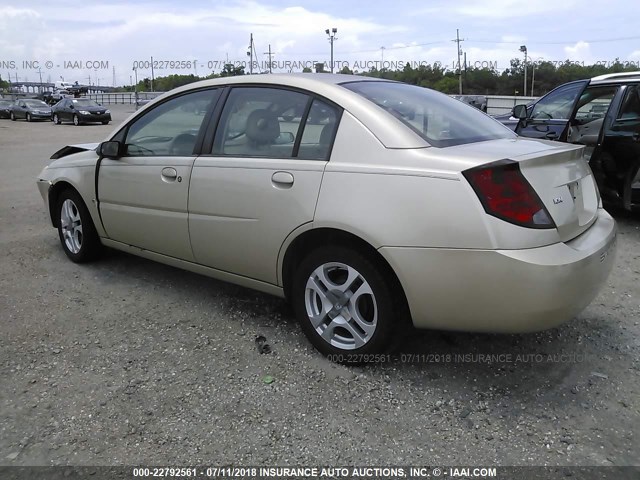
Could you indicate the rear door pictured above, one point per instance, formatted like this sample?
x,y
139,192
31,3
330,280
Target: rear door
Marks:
x,y
549,118
621,147
261,179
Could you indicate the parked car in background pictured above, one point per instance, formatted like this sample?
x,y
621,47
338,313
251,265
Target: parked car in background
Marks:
x,y
30,109
5,108
478,101
59,95
602,113
363,201
79,111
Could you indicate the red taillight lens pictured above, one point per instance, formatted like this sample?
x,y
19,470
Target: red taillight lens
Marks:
x,y
506,194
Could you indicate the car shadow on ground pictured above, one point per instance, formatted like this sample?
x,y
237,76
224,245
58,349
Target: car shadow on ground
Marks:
x,y
527,367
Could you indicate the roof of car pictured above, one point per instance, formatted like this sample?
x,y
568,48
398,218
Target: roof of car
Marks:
x,y
391,132
617,77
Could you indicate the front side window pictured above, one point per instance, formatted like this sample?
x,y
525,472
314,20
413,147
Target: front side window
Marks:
x,y
170,128
439,119
558,104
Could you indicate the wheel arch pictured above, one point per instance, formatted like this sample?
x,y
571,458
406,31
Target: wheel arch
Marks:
x,y
314,238
54,193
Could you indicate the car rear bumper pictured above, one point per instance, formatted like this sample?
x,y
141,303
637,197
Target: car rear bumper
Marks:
x,y
507,291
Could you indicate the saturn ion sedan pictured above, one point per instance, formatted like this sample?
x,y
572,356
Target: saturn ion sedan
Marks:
x,y
364,202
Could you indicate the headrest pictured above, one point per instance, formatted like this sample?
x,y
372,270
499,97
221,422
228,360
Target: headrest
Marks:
x,y
262,127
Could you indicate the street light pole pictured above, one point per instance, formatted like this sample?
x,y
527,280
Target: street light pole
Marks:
x,y
332,37
533,74
523,48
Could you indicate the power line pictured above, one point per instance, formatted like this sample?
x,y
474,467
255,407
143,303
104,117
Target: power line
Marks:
x,y
601,40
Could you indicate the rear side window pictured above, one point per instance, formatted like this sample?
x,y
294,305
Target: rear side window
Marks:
x,y
275,123
319,131
630,109
439,119
594,104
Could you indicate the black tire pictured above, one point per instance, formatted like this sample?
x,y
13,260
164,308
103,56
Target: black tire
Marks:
x,y
376,309
105,122
12,116
82,245
76,120
56,119
28,117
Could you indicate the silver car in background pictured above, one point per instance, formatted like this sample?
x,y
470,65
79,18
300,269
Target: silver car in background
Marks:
x,y
364,202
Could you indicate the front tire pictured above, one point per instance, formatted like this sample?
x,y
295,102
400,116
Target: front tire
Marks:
x,y
76,230
343,303
76,120
56,119
13,117
28,118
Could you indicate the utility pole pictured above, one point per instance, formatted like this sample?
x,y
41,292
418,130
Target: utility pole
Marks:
x,y
250,53
114,76
457,40
270,54
382,57
152,74
41,87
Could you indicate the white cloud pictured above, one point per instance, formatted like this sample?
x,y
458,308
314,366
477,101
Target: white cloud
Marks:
x,y
581,51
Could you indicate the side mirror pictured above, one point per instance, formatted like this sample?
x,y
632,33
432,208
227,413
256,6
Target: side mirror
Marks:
x,y
520,111
71,107
109,149
285,138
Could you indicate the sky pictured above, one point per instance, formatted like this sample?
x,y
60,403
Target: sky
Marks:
x,y
94,41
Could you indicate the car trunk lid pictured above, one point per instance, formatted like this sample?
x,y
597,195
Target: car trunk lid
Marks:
x,y
566,186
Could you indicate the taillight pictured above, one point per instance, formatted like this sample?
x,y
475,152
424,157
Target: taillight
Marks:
x,y
506,194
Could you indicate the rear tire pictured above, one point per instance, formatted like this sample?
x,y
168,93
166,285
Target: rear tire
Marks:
x,y
28,118
76,230
13,117
56,119
343,303
76,120
106,122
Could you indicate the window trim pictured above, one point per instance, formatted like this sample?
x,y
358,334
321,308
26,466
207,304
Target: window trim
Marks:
x,y
207,147
121,135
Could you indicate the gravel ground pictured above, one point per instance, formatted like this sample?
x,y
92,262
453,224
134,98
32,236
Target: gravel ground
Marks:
x,y
124,361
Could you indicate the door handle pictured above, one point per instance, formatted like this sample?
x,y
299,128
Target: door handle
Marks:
x,y
169,174
551,135
282,179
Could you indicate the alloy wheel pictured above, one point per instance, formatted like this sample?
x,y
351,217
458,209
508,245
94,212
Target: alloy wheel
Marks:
x,y
71,226
341,306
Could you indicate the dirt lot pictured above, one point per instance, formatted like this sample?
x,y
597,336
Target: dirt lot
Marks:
x,y
125,361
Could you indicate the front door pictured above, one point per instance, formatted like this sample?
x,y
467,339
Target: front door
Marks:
x,y
143,195
549,118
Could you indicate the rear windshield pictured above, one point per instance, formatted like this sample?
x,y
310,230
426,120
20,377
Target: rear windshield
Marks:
x,y
441,120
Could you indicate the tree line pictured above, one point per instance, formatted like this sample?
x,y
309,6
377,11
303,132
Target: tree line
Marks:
x,y
542,76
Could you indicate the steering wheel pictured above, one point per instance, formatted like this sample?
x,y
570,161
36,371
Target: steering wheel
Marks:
x,y
182,144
